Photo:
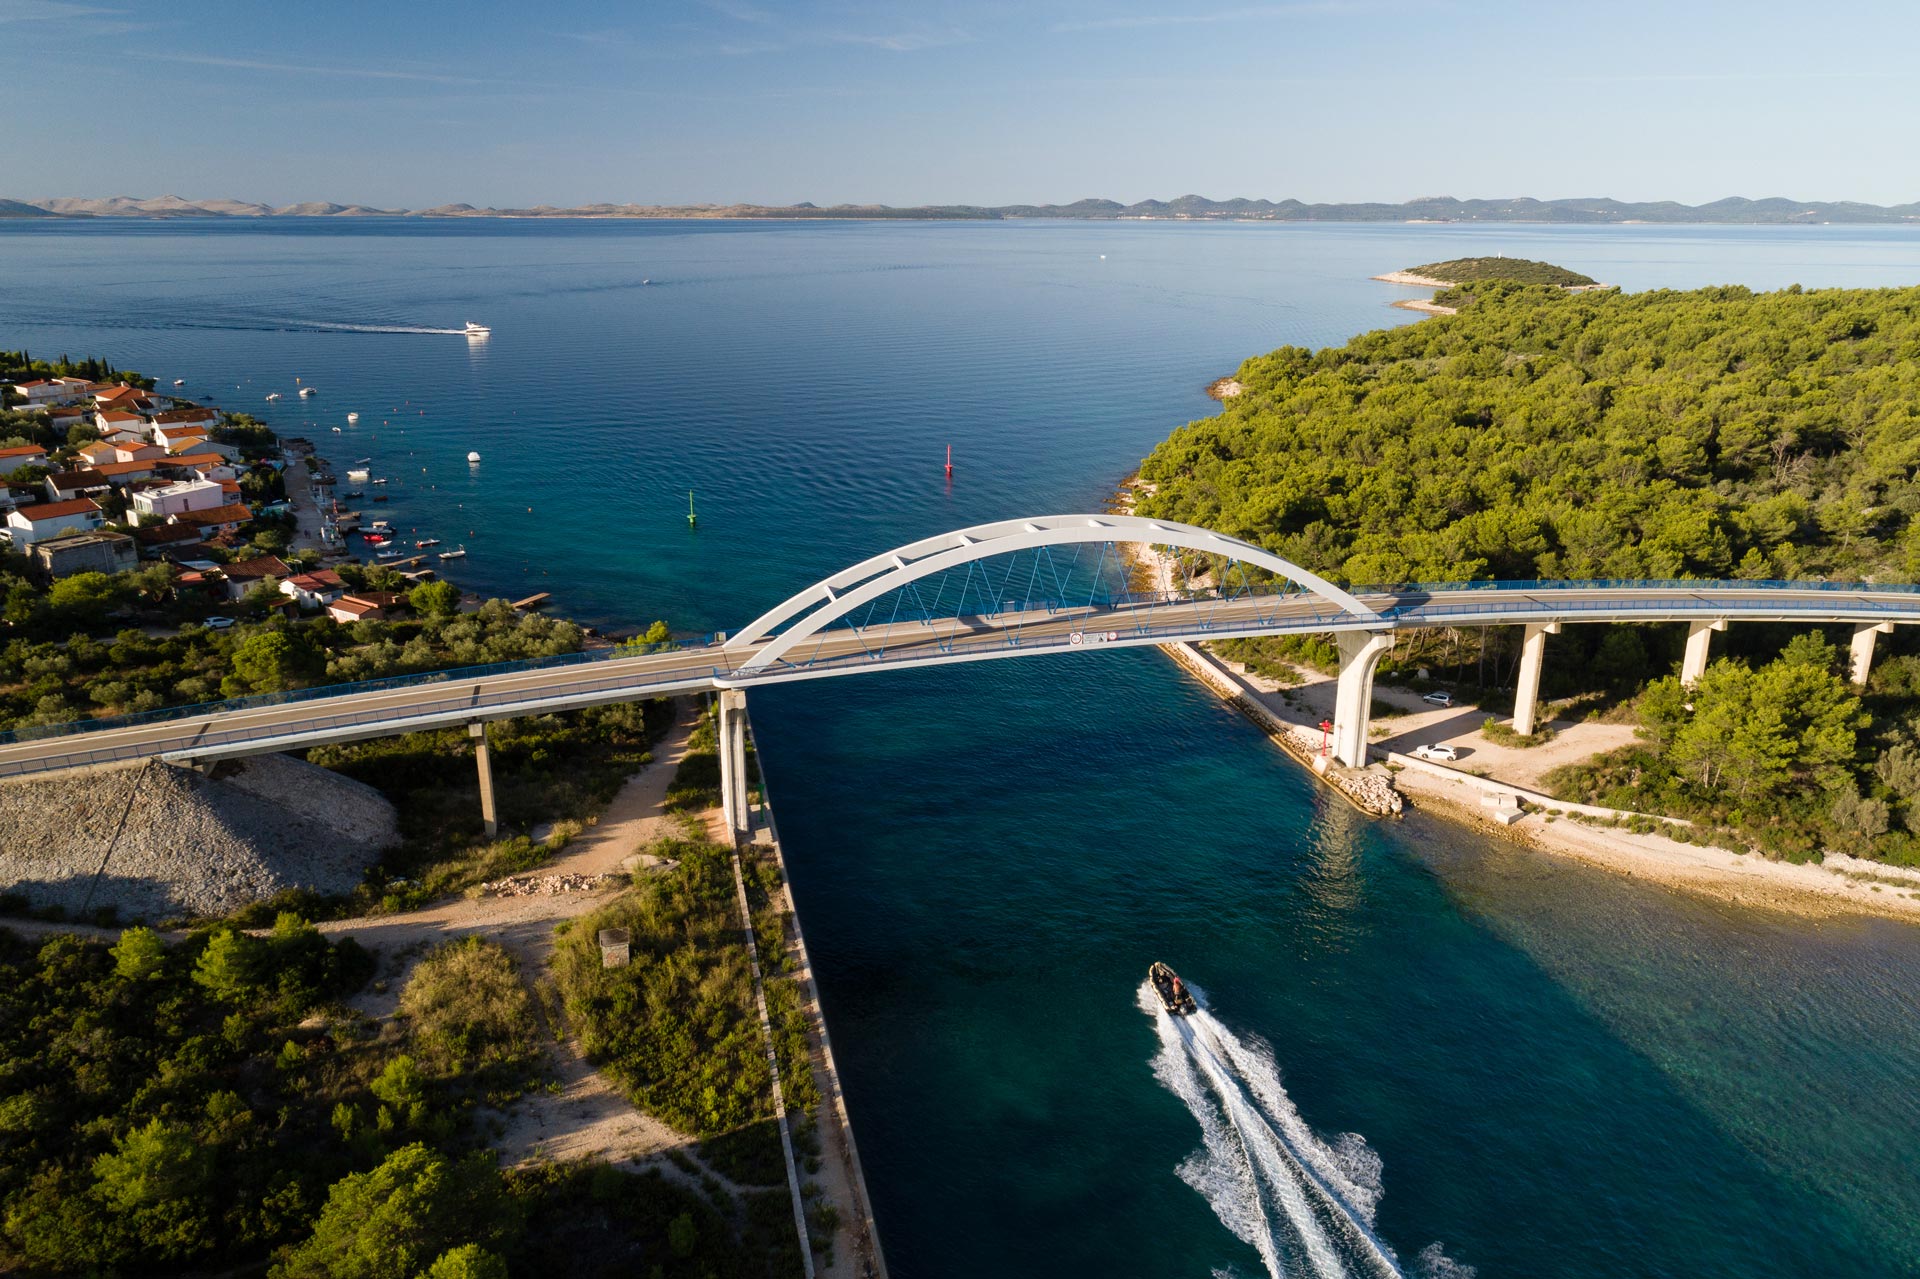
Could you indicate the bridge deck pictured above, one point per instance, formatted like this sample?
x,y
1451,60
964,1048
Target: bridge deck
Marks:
x,y
446,698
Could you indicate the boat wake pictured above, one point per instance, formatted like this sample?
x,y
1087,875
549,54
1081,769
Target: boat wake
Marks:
x,y
1304,1204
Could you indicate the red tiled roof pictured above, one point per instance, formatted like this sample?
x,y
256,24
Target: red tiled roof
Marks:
x,y
22,450
258,566
111,469
218,515
56,510
164,534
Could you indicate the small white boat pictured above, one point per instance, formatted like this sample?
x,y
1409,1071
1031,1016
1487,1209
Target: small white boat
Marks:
x,y
458,553
179,381
425,542
358,474
272,396
352,418
307,392
476,330
473,457
336,430
380,481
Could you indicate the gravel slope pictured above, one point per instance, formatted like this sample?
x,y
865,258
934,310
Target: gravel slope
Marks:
x,y
188,844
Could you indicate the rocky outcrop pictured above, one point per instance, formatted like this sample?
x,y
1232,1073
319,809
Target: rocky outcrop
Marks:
x,y
159,842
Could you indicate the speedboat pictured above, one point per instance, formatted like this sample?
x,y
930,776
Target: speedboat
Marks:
x,y
272,396
352,418
179,381
380,481
476,330
307,392
459,553
425,542
1174,995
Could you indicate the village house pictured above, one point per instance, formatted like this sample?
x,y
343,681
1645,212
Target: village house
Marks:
x,y
242,576
126,399
62,418
208,466
20,455
211,523
49,392
29,524
121,474
370,606
188,416
135,451
314,589
97,452
172,437
169,541
64,486
70,553
154,505
119,422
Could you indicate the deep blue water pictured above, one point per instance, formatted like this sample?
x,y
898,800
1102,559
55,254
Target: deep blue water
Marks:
x,y
1556,1072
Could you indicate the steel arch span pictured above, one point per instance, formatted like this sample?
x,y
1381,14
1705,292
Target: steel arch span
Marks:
x,y
825,602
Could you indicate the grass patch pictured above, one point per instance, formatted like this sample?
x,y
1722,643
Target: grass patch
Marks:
x,y
1501,734
469,1014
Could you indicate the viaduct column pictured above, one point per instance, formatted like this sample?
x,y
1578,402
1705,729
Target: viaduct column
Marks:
x,y
733,762
1533,655
1863,636
488,817
1353,707
1699,635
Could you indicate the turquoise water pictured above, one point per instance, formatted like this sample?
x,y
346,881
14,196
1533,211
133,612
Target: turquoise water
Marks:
x,y
1551,1071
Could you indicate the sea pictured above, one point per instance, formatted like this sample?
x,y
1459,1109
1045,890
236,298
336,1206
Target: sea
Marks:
x,y
1420,1052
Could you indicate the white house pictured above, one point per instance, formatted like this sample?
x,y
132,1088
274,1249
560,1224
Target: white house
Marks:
x,y
153,506
29,524
315,589
21,455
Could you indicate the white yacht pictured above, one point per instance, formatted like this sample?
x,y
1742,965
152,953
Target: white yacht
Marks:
x,y
352,418
307,392
476,330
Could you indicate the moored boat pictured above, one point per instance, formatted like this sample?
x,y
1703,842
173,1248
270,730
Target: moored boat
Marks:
x,y
455,554
1174,995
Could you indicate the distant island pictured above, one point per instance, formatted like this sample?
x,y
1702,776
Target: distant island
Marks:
x,y
1774,211
1454,274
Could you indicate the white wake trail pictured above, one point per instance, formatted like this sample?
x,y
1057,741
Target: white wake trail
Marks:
x,y
1305,1206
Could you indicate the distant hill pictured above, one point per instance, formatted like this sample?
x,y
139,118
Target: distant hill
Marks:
x,y
1775,211
1457,271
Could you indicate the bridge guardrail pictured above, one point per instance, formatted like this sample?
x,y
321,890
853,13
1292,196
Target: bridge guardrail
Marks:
x,y
1127,625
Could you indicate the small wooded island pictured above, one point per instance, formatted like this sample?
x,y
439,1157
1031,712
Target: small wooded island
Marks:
x,y
1455,272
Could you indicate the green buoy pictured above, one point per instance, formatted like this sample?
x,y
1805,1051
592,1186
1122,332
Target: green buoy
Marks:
x,y
693,521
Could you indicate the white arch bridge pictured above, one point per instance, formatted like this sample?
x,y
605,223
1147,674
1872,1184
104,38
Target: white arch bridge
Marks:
x,y
1051,585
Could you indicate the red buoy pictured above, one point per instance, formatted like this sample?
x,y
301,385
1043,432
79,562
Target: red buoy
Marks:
x,y
949,461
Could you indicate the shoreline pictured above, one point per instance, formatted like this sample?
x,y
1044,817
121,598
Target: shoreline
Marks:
x,y
1840,886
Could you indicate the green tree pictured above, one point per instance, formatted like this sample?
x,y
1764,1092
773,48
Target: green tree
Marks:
x,y
468,1261
156,1179
84,599
139,954
229,968
435,599
272,662
392,1222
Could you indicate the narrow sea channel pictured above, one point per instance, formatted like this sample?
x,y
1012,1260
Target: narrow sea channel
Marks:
x,y
1553,1071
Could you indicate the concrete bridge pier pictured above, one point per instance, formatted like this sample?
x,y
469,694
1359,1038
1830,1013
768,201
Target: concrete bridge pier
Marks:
x,y
1863,636
1533,655
1353,707
488,817
733,763
1699,636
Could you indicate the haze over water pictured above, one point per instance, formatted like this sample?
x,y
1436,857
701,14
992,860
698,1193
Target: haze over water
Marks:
x,y
1559,1072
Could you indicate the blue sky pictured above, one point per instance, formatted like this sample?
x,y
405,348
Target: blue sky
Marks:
x,y
418,102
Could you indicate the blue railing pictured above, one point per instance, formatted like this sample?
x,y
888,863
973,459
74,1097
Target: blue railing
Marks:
x,y
1131,625
1643,584
259,701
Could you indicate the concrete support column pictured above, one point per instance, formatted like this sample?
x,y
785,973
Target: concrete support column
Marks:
x,y
733,762
1533,655
1353,708
488,816
1699,636
1863,648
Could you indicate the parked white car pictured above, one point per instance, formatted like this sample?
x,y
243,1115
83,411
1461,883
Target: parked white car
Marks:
x,y
1440,754
217,623
1439,699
